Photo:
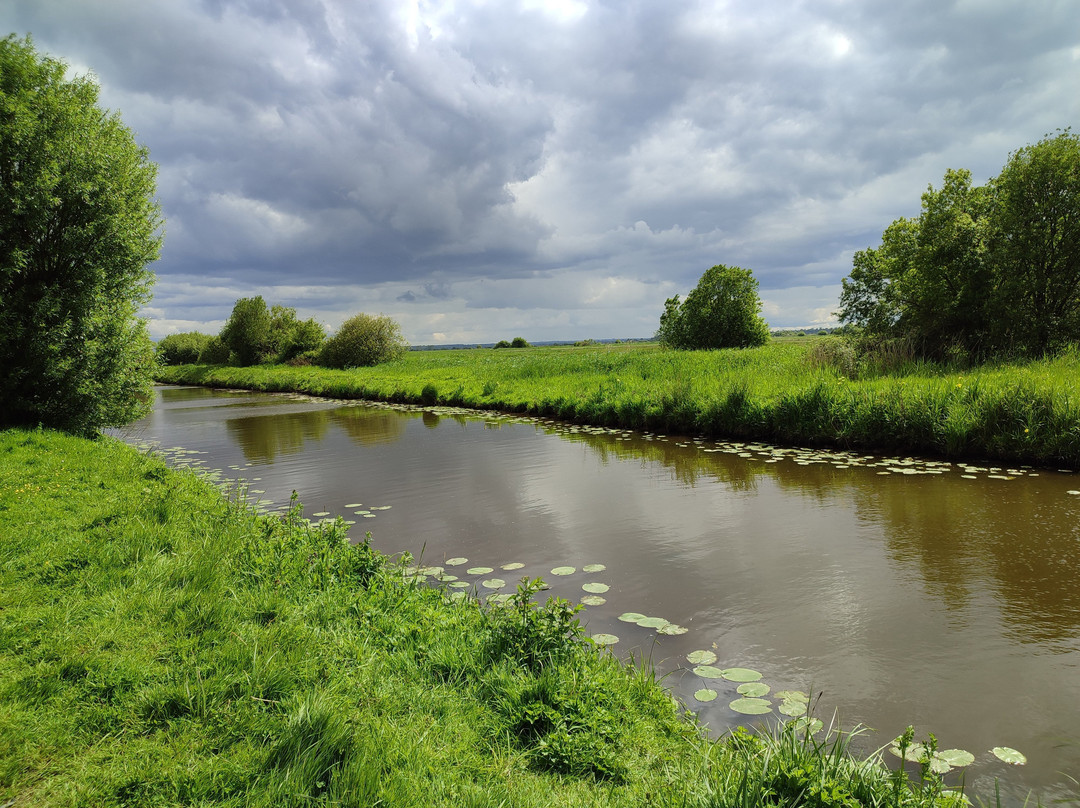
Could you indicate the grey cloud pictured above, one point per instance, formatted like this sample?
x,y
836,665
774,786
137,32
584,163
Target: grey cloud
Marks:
x,y
328,143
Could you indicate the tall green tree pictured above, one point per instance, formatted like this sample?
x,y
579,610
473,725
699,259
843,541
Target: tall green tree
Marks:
x,y
984,270
79,226
722,311
1034,246
249,331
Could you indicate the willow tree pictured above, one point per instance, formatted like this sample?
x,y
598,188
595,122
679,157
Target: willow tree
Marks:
x,y
79,226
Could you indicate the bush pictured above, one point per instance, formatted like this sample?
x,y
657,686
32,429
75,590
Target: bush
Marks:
x,y
722,311
182,349
362,341
79,226
519,342
502,344
216,352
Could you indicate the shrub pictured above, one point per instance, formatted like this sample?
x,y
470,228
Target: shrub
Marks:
x,y
519,342
216,352
182,349
502,344
364,340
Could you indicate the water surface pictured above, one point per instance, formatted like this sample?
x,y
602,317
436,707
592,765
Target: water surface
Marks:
x,y
902,591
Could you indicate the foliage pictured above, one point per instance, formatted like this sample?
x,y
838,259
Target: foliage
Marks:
x,y
886,400
182,349
290,337
78,227
216,352
364,340
248,331
722,311
519,342
983,271
502,344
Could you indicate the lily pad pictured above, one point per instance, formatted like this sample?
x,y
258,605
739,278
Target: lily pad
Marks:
x,y
631,617
593,568
460,585
430,570
705,695
456,562
604,639
563,571
700,657
478,570
792,695
671,629
708,672
741,675
355,505
493,583
792,708
596,588
754,690
593,600
321,513
457,596
652,622
957,757
1008,755
499,599
805,722
751,706
514,565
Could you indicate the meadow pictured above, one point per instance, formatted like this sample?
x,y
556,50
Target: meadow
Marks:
x,y
163,644
789,391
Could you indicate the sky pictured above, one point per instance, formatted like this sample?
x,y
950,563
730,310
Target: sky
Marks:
x,y
551,169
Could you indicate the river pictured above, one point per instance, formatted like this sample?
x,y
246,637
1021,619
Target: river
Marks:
x,y
893,590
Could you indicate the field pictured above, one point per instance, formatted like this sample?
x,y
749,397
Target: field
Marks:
x,y
782,392
161,644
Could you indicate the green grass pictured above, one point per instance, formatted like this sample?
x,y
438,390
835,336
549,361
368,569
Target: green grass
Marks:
x,y
161,644
1011,412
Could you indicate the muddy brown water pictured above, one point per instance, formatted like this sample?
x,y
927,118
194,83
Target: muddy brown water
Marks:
x,y
897,591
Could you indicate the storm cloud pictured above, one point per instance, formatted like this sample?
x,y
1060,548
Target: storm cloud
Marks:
x,y
553,170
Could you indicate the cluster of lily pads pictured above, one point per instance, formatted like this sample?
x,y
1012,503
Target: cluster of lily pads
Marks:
x,y
805,457
421,573
943,762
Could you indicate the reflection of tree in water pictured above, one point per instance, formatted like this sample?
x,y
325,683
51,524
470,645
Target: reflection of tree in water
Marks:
x,y
966,534
371,426
264,437
688,464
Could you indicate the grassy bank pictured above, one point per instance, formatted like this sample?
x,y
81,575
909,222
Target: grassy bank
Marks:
x,y
1026,413
163,645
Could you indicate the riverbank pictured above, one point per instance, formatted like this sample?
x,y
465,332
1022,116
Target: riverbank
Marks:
x,y
163,644
1022,413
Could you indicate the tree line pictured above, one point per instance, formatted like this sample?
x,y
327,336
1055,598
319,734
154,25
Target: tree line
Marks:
x,y
983,271
256,333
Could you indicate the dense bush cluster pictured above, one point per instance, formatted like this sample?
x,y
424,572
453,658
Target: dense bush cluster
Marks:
x,y
363,340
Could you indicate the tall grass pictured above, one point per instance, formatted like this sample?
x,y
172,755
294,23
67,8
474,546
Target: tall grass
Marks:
x,y
163,645
785,392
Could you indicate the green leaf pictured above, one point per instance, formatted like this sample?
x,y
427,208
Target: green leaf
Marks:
x,y
708,672
596,588
751,706
957,757
701,657
604,639
741,675
563,571
478,570
1009,755
631,617
593,600
705,695
593,568
753,689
